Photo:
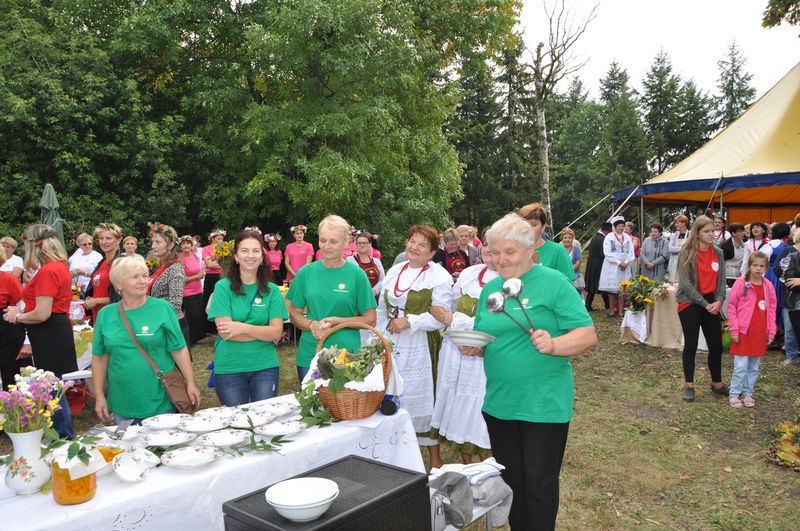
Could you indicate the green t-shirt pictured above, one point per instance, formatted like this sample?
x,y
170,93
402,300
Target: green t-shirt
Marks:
x,y
554,256
133,389
231,357
522,383
330,292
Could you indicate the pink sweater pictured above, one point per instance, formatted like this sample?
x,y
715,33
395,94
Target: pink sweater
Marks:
x,y
741,306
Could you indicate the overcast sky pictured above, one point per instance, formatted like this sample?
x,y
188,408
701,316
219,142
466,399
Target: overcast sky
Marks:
x,y
695,34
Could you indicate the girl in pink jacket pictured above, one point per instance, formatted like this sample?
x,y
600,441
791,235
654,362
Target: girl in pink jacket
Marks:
x,y
751,319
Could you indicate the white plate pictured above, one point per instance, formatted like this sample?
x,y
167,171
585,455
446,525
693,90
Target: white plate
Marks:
x,y
469,338
145,455
167,438
258,418
130,468
287,427
190,457
167,421
222,412
131,433
202,424
223,438
280,409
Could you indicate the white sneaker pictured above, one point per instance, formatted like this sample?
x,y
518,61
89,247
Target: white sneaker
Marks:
x,y
735,401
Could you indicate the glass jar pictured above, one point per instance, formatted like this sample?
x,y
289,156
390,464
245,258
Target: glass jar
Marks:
x,y
68,491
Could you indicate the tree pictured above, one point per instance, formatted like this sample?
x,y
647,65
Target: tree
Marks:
x,y
695,110
735,91
552,63
778,11
662,120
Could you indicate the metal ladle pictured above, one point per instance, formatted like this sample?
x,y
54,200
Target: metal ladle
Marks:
x,y
496,303
512,289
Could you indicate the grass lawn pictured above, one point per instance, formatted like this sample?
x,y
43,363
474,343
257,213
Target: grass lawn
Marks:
x,y
637,455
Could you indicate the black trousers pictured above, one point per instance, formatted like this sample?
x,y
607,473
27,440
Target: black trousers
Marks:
x,y
195,315
590,297
11,338
693,319
532,453
209,282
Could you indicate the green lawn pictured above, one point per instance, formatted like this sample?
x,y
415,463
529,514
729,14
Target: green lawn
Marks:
x,y
637,455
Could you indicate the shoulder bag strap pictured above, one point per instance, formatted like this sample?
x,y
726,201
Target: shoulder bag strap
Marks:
x,y
142,351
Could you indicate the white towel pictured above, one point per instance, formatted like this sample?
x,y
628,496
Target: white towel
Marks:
x,y
476,472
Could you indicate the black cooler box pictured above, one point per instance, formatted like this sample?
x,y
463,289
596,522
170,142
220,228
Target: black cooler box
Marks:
x,y
372,496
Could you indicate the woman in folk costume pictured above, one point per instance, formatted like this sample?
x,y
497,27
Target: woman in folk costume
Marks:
x,y
619,254
410,290
461,382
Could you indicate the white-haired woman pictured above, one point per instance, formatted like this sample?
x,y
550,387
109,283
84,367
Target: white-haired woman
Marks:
x,y
46,316
83,260
134,391
331,291
13,263
100,291
529,382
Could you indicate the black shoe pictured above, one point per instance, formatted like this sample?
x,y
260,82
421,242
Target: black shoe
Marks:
x,y
589,309
688,394
721,390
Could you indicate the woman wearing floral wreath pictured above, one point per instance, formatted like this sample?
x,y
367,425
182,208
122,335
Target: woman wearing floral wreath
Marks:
x,y
618,249
169,280
410,290
47,298
299,253
461,382
192,290
100,291
328,292
275,256
213,271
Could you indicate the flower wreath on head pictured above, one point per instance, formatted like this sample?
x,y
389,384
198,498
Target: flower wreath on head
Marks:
x,y
37,242
217,232
186,238
254,229
359,232
112,228
294,228
164,230
272,237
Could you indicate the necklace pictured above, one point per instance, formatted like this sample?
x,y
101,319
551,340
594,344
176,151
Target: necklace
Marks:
x,y
620,238
481,282
399,292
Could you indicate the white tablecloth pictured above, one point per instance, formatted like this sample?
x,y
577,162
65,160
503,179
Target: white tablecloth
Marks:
x,y
192,499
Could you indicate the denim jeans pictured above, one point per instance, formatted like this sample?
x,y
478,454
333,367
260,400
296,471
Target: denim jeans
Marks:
x,y
745,372
62,420
301,373
789,335
136,421
244,387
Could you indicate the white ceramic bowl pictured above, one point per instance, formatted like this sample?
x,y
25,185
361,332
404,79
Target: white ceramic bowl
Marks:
x,y
302,499
469,338
130,468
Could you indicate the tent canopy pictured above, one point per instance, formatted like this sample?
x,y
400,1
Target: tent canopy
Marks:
x,y
754,163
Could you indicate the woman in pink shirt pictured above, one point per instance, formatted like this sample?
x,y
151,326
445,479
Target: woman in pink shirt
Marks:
x,y
275,256
298,253
213,271
193,291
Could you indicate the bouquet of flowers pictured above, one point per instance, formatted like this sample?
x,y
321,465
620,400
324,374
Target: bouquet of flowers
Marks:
x,y
642,291
152,264
785,450
339,366
223,252
29,405
77,292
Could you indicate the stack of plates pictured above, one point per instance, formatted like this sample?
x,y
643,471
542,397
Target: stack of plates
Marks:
x,y
302,499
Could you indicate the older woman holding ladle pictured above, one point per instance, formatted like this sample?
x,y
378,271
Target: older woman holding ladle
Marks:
x,y
529,383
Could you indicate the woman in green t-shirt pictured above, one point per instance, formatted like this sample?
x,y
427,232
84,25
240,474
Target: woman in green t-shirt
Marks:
x,y
328,292
134,391
529,385
248,311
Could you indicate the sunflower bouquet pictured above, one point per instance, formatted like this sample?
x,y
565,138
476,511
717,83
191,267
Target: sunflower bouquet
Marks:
x,y
785,448
223,252
642,291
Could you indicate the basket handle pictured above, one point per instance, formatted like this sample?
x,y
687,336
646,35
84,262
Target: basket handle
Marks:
x,y
355,324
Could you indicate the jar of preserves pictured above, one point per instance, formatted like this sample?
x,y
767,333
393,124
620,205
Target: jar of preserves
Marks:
x,y
68,491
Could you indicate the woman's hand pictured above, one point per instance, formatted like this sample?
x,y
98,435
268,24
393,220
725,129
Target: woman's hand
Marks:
x,y
11,314
792,283
442,314
649,265
90,303
623,266
101,409
25,352
230,329
317,329
714,308
194,394
543,342
398,324
735,339
471,351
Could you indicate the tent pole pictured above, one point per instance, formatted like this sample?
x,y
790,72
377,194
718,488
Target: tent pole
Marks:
x,y
568,225
624,202
716,186
641,218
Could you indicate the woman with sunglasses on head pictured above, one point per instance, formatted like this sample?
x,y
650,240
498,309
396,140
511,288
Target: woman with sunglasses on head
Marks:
x,y
410,290
83,261
100,291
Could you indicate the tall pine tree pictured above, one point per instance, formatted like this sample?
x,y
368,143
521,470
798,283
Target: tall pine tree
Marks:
x,y
696,114
735,91
662,120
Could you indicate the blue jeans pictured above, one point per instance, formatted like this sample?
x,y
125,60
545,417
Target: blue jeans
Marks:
x,y
62,420
745,372
244,387
301,373
136,421
789,335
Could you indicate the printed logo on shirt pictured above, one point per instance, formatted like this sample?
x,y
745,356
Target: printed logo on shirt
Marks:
x,y
341,289
762,305
715,266
96,280
258,302
145,331
524,301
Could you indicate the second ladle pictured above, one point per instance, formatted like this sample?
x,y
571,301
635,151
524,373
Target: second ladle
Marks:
x,y
496,303
512,289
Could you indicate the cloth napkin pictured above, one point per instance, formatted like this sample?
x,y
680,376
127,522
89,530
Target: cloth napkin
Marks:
x,y
491,491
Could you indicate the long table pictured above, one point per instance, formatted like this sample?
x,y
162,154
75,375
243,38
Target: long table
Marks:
x,y
192,499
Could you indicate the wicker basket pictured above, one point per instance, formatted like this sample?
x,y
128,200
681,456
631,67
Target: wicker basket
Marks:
x,y
349,404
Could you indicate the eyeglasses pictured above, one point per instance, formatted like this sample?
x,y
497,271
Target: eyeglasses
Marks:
x,y
87,244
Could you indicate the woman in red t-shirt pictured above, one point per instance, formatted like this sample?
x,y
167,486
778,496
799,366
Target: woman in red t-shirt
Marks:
x,y
12,336
100,291
47,297
700,294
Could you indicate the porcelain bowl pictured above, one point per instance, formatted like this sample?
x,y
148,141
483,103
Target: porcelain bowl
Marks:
x,y
302,499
